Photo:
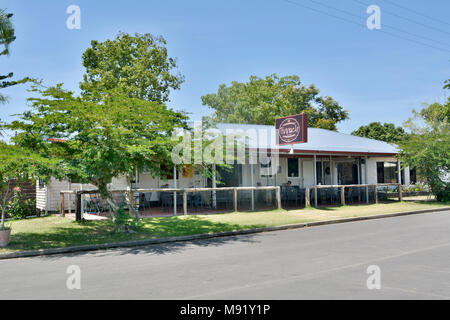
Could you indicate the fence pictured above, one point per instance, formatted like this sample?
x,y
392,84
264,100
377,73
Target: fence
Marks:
x,y
354,193
233,198
227,197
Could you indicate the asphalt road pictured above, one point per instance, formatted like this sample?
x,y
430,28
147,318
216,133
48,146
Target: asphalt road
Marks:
x,y
325,262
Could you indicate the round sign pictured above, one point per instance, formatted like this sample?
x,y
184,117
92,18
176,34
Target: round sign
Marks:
x,y
289,130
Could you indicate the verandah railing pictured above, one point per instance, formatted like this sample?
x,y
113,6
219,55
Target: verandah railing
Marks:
x,y
130,200
340,196
313,192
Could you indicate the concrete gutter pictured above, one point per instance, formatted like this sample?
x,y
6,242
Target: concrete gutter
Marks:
x,y
136,243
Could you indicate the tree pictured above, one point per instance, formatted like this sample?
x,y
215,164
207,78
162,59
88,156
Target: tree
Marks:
x,y
7,36
261,100
428,147
20,164
386,132
97,141
139,65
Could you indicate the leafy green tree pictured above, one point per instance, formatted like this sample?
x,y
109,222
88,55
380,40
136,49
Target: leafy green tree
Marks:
x,y
428,147
20,164
97,141
387,132
139,65
7,36
262,100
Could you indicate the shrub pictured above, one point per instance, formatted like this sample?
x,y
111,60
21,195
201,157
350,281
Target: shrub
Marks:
x,y
124,221
20,207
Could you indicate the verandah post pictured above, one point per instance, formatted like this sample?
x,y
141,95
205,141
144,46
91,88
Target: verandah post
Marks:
x,y
315,197
235,199
367,194
184,202
376,193
307,199
279,197
78,206
63,205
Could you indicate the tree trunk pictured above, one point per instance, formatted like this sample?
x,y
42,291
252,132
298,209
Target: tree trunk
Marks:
x,y
3,217
112,208
130,206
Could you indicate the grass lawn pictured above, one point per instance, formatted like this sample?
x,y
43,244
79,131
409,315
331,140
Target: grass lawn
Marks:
x,y
55,231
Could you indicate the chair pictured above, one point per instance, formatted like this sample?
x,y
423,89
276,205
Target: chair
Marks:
x,y
224,197
301,195
195,200
292,195
351,195
322,196
144,203
244,198
166,200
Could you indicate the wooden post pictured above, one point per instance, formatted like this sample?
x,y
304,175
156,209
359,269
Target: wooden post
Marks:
x,y
400,192
343,196
315,197
175,194
185,202
70,202
78,213
367,194
307,200
279,197
315,180
376,194
366,176
253,184
235,199
63,204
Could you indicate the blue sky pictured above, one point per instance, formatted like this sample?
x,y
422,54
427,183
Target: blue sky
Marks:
x,y
376,76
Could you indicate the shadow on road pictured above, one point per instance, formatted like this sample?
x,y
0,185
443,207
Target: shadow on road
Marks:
x,y
157,249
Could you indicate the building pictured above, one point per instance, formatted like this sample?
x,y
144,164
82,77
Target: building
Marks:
x,y
327,158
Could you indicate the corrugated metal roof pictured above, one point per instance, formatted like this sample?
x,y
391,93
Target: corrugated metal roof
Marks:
x,y
319,140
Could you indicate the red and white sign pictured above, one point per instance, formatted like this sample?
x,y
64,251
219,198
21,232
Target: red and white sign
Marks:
x,y
292,129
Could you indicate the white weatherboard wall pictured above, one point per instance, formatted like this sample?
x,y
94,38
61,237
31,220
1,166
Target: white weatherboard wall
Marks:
x,y
372,167
48,198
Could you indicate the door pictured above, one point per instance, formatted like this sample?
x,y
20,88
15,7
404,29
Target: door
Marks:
x,y
308,173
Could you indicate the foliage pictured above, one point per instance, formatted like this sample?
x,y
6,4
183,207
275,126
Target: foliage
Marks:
x,y
418,187
139,65
7,36
118,124
20,207
97,141
124,222
387,132
428,147
261,100
20,164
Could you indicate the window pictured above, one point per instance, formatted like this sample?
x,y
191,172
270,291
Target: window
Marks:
x,y
347,173
380,172
387,172
265,167
412,176
319,172
292,167
229,177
